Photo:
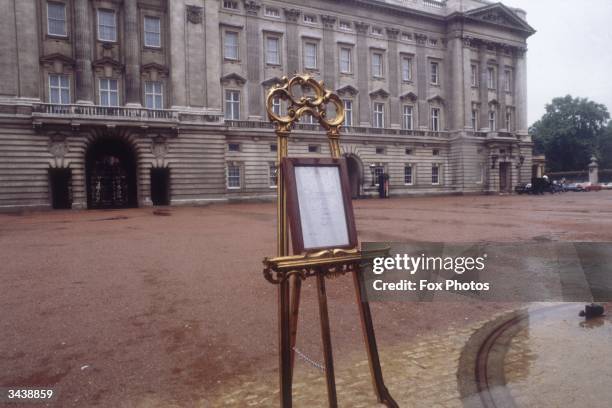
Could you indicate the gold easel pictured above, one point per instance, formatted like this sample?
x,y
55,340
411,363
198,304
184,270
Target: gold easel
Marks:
x,y
288,271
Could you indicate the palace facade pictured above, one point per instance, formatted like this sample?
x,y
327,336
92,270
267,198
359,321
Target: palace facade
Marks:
x,y
112,103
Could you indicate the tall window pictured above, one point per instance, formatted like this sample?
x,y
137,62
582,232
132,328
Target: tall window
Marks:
x,y
492,120
109,92
273,50
152,32
378,171
379,115
232,104
154,95
230,45
310,55
408,174
233,176
474,119
435,119
345,60
491,77
507,80
59,89
276,105
273,174
406,69
434,69
377,64
407,117
435,174
348,112
474,75
107,25
508,120
56,19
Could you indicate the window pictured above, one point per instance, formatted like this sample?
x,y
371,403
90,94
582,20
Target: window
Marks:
x,y
474,119
273,147
307,119
272,12
348,112
435,119
507,80
376,30
479,173
273,51
109,92
152,32
406,68
233,147
56,19
233,176
230,45
232,105
491,77
309,18
344,25
407,117
107,25
408,175
345,60
314,148
378,171
492,120
379,115
59,89
435,152
273,175
154,95
474,75
377,64
310,55
435,174
230,4
433,42
380,150
276,105
406,36
408,151
434,71
508,120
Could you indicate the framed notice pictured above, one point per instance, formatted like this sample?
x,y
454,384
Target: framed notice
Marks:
x,y
319,204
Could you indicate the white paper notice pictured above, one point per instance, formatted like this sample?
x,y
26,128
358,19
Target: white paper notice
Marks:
x,y
321,206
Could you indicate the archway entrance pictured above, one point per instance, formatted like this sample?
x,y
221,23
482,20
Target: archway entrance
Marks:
x,y
355,173
111,174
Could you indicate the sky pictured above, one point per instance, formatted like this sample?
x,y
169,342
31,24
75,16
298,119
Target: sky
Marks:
x,y
571,52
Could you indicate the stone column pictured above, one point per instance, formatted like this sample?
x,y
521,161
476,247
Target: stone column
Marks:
x,y
520,91
177,50
293,45
253,60
483,86
457,77
132,54
362,73
467,84
501,91
212,86
329,51
83,40
394,81
422,82
593,171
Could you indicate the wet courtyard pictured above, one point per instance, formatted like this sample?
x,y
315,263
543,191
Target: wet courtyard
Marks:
x,y
126,308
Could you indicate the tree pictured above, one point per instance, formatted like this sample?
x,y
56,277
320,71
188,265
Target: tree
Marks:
x,y
571,131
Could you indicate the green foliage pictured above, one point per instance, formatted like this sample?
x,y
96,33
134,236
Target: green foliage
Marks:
x,y
571,131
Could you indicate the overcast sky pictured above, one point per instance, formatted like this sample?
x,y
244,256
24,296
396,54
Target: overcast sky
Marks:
x,y
571,53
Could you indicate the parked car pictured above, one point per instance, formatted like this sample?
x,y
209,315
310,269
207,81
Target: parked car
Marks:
x,y
592,187
523,188
606,186
574,187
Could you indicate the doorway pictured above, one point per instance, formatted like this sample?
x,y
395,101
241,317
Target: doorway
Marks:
x,y
160,186
111,174
504,177
60,183
355,174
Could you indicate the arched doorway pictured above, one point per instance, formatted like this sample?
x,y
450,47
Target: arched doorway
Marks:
x,y
355,174
110,171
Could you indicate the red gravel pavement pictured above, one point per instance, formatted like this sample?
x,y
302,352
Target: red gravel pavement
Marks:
x,y
125,308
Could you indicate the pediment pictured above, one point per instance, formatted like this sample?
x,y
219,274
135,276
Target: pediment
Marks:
x,y
57,57
379,93
500,15
153,66
227,79
272,81
347,90
409,96
102,62
436,99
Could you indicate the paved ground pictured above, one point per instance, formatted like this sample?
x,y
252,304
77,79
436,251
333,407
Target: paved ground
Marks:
x,y
130,309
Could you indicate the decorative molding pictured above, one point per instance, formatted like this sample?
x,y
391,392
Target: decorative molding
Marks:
x,y
347,90
292,15
194,14
51,58
227,79
58,145
154,66
379,93
392,33
328,21
420,39
361,27
271,82
159,147
252,7
107,61
410,96
500,15
437,99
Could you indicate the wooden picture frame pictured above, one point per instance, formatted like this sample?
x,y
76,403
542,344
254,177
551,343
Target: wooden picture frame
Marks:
x,y
319,204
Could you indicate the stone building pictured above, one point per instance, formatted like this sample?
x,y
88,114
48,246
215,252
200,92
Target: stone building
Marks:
x,y
110,103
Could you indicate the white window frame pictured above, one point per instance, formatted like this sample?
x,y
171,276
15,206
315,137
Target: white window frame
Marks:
x,y
435,174
434,73
378,115
474,75
345,25
276,105
234,177
114,13
159,33
59,88
407,117
64,22
272,175
474,119
307,45
348,112
154,94
508,80
411,167
491,78
406,68
378,170
273,38
227,47
230,4
309,19
492,120
272,12
108,90
378,70
436,114
231,105
347,61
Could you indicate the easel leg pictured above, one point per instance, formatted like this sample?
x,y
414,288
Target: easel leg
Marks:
x,y
284,344
370,340
296,286
326,338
